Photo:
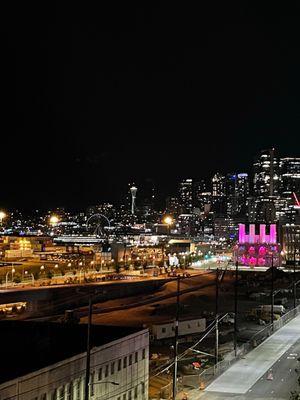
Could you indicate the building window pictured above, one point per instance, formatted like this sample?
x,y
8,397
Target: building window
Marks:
x,y
43,396
124,396
106,371
129,395
54,394
61,393
119,364
100,374
125,362
119,398
144,354
130,359
136,357
70,391
112,368
163,330
78,390
136,392
189,326
143,387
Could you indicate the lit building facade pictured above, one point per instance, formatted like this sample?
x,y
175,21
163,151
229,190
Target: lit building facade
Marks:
x,y
258,249
237,192
290,176
186,195
291,243
266,181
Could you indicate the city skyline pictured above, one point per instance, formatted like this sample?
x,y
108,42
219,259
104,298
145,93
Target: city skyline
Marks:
x,y
157,190
134,97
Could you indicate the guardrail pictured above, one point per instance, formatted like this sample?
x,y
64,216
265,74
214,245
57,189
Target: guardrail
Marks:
x,y
205,377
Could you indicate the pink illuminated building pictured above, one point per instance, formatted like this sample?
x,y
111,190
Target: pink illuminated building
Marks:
x,y
257,248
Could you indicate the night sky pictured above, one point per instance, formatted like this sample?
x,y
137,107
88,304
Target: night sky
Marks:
x,y
93,98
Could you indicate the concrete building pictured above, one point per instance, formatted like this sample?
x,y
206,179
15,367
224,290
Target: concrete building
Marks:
x,y
119,363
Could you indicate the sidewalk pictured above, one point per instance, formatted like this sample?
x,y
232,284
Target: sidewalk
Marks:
x,y
242,375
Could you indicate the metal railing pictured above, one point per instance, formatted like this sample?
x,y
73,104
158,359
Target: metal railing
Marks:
x,y
208,375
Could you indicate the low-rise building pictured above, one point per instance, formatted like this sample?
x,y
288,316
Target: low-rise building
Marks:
x,y
186,327
50,362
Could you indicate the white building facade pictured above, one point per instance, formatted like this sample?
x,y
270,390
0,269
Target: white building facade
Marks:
x,y
119,371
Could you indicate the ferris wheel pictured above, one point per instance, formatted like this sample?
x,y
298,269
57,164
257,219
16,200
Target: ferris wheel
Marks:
x,y
98,224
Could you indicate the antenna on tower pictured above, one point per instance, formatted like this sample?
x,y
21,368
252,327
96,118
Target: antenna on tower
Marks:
x,y
133,191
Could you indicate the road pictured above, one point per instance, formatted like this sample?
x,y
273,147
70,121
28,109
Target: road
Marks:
x,y
267,372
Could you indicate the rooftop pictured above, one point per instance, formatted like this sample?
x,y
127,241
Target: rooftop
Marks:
x,y
28,346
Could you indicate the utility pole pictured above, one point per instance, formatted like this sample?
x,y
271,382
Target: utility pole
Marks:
x,y
176,340
294,291
236,306
88,351
272,293
217,317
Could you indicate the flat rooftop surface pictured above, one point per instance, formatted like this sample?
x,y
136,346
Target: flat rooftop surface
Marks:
x,y
239,378
28,346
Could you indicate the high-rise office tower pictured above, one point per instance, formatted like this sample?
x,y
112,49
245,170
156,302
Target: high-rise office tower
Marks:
x,y
267,179
186,195
290,176
237,192
219,193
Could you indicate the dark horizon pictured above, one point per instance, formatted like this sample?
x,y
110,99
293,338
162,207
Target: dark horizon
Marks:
x,y
95,98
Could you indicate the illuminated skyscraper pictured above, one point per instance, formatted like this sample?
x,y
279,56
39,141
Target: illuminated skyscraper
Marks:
x,y
290,176
266,180
186,195
237,192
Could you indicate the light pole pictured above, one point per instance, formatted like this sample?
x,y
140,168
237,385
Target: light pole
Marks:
x,y
12,277
176,340
236,306
32,277
88,344
217,317
168,221
272,291
294,286
2,216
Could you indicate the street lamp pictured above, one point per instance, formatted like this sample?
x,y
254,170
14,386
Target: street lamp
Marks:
x,y
2,216
53,220
168,221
